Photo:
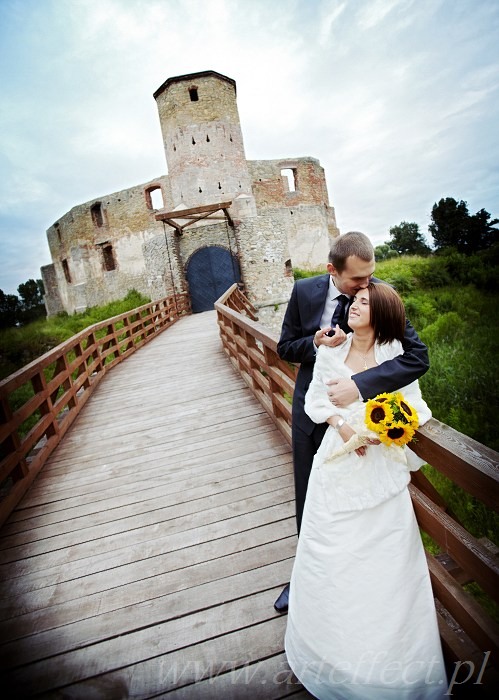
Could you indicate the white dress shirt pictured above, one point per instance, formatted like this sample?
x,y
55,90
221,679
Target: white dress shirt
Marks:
x,y
331,303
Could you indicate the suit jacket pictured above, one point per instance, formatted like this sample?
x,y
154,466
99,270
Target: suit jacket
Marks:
x,y
302,320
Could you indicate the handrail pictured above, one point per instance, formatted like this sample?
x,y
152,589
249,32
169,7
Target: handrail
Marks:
x,y
468,633
39,402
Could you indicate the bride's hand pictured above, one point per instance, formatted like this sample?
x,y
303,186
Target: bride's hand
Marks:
x,y
346,432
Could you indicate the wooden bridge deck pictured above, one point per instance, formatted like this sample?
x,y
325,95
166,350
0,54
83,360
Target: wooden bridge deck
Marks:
x,y
145,558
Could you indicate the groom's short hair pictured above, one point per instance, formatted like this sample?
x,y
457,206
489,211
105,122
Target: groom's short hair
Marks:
x,y
348,244
387,313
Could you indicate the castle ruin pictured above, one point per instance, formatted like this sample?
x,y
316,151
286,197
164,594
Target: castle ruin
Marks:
x,y
214,219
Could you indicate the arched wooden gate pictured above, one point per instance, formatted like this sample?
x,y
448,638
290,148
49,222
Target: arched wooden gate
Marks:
x,y
210,272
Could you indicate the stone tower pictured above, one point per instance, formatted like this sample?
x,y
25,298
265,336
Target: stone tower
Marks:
x,y
214,219
202,139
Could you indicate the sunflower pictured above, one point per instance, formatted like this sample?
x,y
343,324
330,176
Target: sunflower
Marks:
x,y
378,413
408,412
398,433
384,397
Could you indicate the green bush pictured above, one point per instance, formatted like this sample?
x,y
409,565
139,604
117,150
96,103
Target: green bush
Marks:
x,y
420,309
446,329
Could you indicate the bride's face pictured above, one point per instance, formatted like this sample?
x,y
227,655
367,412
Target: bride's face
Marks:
x,y
359,315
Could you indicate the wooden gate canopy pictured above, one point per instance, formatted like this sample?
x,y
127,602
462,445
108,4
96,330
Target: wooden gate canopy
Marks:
x,y
194,214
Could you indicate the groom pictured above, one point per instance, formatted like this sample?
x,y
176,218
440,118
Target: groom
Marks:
x,y
323,301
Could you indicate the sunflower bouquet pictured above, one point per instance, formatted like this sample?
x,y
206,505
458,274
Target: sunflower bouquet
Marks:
x,y
392,418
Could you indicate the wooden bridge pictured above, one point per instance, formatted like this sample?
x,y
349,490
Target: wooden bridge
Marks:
x,y
142,547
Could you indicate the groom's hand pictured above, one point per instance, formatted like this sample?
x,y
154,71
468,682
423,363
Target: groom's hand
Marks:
x,y
322,337
342,392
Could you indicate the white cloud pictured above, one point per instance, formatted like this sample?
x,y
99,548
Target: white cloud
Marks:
x,y
398,99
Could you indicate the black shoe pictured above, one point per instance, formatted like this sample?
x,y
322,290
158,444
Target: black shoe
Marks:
x,y
281,604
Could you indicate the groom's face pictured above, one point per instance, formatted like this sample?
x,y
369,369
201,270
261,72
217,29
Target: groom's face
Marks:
x,y
356,275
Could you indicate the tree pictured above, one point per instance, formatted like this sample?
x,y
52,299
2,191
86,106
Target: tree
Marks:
x,y
10,310
15,311
31,294
407,239
454,227
383,252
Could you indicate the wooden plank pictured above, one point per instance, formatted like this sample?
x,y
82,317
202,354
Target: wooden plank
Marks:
x,y
96,562
131,554
69,518
126,492
39,603
466,550
139,603
250,601
467,613
145,512
267,678
71,546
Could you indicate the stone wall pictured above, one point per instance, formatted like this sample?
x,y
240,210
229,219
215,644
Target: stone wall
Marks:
x,y
202,139
52,299
265,266
105,247
96,247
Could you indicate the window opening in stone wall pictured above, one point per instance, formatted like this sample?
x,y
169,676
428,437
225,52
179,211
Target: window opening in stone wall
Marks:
x,y
288,269
97,214
154,197
193,142
108,257
65,268
290,175
207,138
193,94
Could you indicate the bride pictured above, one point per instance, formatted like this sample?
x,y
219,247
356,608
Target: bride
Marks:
x,y
362,623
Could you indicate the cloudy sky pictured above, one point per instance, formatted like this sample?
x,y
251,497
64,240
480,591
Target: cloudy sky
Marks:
x,y
398,99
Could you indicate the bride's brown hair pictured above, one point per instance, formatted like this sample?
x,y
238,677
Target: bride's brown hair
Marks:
x,y
387,313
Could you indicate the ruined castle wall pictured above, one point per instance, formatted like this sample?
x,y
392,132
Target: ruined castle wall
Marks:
x,y
105,247
52,299
309,221
96,247
265,267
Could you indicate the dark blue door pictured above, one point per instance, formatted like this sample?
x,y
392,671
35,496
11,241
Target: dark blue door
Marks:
x,y
210,272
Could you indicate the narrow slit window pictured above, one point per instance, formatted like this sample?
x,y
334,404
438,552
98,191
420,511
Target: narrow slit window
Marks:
x,y
108,257
289,174
193,94
65,268
97,213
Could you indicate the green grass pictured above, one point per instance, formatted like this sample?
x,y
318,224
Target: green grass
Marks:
x,y
19,346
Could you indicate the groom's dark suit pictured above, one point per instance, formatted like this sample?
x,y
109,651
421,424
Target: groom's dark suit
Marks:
x,y
301,321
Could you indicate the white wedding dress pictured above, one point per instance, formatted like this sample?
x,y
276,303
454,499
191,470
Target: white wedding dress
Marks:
x,y
362,623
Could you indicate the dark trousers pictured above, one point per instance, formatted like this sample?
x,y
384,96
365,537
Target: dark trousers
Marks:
x,y
304,449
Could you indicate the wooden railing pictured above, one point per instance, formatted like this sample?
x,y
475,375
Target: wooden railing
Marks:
x,y
40,401
470,637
